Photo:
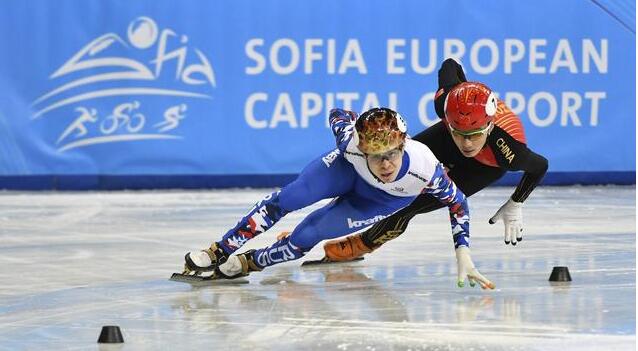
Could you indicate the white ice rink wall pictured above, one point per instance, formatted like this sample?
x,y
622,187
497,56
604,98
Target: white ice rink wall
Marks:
x,y
156,94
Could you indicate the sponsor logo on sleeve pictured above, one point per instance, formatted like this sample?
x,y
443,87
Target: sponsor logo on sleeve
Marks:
x,y
330,158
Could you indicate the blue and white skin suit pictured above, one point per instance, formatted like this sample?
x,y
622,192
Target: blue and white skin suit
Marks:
x,y
359,198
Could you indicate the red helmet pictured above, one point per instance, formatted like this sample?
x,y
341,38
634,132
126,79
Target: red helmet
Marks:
x,y
470,106
379,130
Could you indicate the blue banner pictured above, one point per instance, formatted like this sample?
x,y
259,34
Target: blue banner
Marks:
x,y
241,89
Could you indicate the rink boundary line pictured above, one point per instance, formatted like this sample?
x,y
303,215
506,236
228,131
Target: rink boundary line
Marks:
x,y
74,310
367,324
442,329
393,326
417,328
65,269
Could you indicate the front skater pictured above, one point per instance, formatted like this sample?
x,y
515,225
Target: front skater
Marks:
x,y
374,172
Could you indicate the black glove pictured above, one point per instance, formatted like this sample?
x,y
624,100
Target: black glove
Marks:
x,y
450,74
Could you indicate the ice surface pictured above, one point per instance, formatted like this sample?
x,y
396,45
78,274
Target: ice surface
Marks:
x,y
73,262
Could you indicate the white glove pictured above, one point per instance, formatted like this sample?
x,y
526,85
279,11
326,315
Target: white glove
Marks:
x,y
511,213
466,268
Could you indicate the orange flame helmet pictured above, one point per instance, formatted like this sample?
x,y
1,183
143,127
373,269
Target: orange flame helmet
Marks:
x,y
470,106
379,130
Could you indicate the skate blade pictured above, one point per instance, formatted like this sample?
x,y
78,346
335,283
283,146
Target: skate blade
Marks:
x,y
205,280
323,261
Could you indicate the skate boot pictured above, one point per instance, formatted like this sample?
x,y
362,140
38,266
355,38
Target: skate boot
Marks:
x,y
237,266
205,260
345,249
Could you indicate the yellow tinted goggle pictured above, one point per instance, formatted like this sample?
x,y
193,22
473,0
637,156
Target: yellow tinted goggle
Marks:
x,y
471,134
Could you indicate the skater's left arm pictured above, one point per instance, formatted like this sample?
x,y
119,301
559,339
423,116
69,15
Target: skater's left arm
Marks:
x,y
444,189
514,155
535,166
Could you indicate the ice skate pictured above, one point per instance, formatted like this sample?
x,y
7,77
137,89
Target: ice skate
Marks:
x,y
197,262
236,266
343,250
226,269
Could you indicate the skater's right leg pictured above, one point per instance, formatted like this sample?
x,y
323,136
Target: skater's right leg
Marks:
x,y
332,220
260,218
317,181
325,177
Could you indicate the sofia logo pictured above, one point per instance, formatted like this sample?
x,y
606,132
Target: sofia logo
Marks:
x,y
122,89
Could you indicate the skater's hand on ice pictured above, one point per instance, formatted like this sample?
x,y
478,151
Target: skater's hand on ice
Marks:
x,y
466,268
511,213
